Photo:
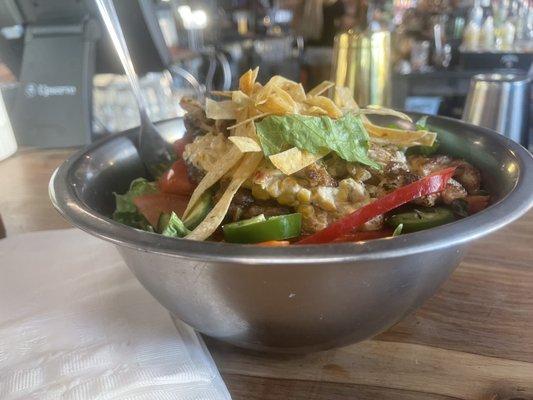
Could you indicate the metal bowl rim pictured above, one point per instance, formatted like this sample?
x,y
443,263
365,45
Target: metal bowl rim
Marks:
x,y
516,203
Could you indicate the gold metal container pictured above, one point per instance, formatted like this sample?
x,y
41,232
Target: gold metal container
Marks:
x,y
362,62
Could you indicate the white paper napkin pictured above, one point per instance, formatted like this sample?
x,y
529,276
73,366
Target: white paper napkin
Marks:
x,y
76,325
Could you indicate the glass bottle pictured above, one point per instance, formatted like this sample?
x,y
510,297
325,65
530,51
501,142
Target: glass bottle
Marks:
x,y
486,37
471,36
508,36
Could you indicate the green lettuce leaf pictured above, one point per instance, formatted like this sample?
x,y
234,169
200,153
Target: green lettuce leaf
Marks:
x,y
135,220
126,212
345,136
175,227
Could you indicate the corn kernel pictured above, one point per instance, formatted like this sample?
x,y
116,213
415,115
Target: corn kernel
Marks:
x,y
290,185
351,191
358,173
259,193
286,199
274,189
307,211
324,197
304,196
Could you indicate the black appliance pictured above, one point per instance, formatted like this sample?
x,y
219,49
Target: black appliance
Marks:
x,y
63,46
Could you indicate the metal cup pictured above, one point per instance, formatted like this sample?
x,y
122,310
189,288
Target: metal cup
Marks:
x,y
362,62
501,102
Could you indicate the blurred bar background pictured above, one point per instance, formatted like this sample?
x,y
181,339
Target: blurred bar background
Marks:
x,y
62,84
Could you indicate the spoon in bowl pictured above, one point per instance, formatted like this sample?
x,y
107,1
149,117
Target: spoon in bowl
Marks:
x,y
153,149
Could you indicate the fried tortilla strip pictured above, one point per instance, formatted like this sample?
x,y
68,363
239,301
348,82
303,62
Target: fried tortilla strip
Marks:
x,y
276,101
344,100
293,160
296,91
246,129
325,104
245,144
240,98
280,81
213,176
226,109
251,119
385,111
314,110
320,88
216,215
247,81
400,136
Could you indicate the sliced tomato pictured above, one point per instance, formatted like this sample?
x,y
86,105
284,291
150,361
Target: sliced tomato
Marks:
x,y
364,235
477,203
153,205
176,180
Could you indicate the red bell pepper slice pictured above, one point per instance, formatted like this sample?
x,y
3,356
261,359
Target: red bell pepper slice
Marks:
x,y
430,184
176,180
153,205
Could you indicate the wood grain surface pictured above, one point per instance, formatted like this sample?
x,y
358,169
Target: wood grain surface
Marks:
x,y
472,340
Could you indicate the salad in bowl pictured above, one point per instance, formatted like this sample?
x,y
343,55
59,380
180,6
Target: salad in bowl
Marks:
x,y
274,165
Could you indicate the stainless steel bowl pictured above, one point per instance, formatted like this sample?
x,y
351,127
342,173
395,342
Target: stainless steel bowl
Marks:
x,y
298,298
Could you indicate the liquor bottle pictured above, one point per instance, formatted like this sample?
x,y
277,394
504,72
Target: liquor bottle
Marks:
x,y
486,36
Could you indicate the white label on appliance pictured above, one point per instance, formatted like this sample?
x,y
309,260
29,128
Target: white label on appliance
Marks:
x,y
32,90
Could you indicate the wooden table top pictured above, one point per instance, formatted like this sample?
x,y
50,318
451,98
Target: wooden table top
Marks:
x,y
472,340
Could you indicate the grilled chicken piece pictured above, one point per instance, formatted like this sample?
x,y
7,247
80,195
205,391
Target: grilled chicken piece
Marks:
x,y
385,154
194,173
316,174
375,224
314,219
466,174
195,120
396,175
268,208
244,206
191,105
423,166
427,201
222,125
242,199
454,190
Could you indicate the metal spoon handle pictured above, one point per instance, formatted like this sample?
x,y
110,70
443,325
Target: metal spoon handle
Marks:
x,y
112,23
